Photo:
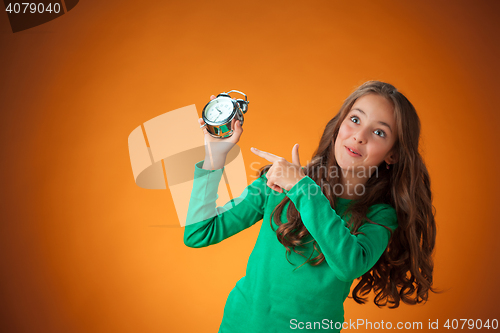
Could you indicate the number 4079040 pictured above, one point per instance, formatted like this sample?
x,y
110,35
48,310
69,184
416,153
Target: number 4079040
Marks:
x,y
31,7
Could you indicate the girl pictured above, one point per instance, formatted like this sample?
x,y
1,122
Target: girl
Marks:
x,y
361,209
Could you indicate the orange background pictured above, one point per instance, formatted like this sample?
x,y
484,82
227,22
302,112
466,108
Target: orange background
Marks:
x,y
84,249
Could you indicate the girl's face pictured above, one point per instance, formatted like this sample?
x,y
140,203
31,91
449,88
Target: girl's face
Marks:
x,y
370,130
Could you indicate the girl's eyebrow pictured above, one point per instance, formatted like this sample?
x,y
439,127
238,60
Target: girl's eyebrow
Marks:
x,y
380,122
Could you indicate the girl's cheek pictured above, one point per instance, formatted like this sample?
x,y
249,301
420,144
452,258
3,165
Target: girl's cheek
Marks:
x,y
344,131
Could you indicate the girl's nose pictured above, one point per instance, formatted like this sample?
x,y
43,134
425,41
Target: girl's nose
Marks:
x,y
360,136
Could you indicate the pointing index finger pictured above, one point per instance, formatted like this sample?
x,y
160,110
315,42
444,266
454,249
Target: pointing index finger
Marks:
x,y
268,156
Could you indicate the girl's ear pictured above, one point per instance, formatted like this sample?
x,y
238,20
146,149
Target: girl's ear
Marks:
x,y
392,158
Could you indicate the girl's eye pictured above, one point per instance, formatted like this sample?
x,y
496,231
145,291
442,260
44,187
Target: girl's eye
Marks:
x,y
382,133
353,118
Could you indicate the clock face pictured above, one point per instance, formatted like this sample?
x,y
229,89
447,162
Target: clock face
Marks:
x,y
219,109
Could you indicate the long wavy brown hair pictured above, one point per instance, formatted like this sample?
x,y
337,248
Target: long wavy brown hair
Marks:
x,y
404,271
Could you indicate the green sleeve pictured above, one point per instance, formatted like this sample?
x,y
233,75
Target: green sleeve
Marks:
x,y
347,255
207,224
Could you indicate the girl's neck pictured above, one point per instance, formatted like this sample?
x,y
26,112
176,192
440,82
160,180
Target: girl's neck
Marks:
x,y
353,187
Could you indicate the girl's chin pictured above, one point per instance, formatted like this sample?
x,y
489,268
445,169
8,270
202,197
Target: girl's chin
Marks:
x,y
348,167
351,166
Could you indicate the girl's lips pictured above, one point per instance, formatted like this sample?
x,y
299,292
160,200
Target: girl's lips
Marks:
x,y
351,153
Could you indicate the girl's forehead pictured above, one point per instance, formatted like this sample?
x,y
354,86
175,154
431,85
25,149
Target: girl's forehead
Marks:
x,y
374,103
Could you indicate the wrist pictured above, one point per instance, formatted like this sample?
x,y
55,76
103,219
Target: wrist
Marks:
x,y
214,162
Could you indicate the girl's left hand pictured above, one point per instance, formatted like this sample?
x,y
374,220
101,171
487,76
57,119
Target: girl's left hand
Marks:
x,y
282,174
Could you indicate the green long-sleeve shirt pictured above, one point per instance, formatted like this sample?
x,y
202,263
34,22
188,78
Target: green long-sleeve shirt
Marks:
x,y
272,297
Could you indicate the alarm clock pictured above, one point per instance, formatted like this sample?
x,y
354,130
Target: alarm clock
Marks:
x,y
219,113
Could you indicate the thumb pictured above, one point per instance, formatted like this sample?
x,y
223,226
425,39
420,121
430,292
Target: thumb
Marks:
x,y
238,129
295,155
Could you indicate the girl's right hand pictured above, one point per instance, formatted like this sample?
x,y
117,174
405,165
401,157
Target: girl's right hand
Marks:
x,y
221,146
